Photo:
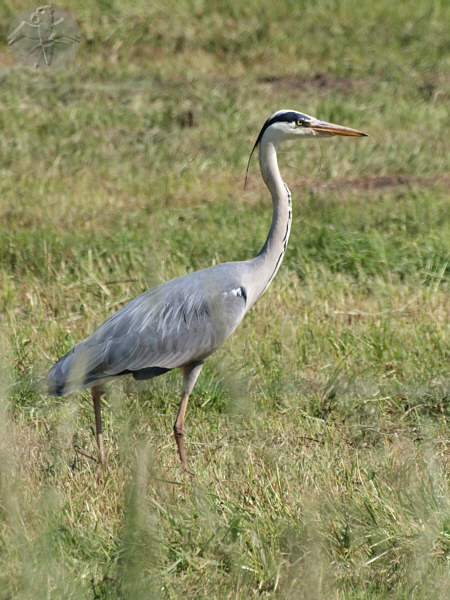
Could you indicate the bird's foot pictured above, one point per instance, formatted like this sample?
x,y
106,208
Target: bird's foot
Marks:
x,y
86,454
100,473
186,471
100,464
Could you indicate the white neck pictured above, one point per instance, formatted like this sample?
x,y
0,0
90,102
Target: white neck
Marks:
x,y
269,259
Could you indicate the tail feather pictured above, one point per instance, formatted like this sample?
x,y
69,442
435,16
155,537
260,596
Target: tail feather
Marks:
x,y
69,374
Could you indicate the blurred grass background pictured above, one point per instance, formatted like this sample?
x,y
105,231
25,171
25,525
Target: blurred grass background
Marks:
x,y
319,434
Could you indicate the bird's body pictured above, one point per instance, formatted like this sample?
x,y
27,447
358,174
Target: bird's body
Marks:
x,y
173,324
178,324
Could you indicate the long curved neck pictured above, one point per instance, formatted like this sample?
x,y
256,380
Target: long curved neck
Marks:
x,y
269,259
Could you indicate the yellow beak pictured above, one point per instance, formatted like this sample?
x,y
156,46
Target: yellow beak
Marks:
x,y
331,129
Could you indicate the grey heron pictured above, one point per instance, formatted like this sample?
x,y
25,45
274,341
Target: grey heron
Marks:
x,y
178,324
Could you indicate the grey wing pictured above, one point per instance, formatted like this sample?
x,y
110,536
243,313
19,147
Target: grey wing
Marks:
x,y
181,321
169,326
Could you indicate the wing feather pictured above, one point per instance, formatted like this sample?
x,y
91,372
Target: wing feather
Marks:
x,y
175,323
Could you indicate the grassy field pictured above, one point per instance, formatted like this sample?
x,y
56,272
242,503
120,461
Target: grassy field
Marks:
x,y
319,435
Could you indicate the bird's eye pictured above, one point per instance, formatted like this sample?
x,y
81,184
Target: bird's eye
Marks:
x,y
300,123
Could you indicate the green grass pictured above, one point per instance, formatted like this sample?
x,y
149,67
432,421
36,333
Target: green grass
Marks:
x,y
319,434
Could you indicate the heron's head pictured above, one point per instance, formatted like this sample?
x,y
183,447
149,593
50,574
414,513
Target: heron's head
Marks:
x,y
290,124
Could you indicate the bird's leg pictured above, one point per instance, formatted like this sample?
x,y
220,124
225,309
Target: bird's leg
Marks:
x,y
96,397
190,374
